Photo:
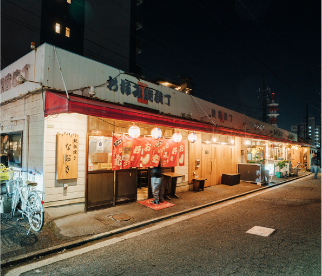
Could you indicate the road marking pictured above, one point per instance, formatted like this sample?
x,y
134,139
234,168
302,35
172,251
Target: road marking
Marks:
x,y
260,231
64,256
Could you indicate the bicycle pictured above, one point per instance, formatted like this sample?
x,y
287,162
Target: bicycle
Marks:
x,y
26,200
301,167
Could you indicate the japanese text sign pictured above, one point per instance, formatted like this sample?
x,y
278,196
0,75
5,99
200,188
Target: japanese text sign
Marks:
x,y
67,156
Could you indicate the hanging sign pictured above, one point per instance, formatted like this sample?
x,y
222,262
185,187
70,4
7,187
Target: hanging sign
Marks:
x,y
117,152
146,152
67,156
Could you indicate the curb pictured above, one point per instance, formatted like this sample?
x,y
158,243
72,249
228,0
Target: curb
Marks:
x,y
73,244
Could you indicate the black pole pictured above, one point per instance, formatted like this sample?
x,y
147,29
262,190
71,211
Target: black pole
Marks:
x,y
264,99
307,123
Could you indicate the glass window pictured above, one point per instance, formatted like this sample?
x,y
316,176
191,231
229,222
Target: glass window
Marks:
x,y
99,153
15,150
67,33
57,28
11,149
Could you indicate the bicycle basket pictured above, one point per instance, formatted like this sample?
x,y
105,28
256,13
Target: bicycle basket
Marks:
x,y
6,173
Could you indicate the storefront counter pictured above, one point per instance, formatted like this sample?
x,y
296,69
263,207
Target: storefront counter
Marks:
x,y
251,172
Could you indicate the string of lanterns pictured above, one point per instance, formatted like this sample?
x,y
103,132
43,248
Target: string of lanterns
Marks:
x,y
156,133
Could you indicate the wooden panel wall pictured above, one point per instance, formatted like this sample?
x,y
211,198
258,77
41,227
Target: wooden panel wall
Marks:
x,y
194,153
224,159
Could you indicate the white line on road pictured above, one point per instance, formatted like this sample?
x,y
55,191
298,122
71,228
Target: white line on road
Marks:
x,y
64,256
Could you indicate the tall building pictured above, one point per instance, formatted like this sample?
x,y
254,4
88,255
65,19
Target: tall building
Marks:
x,y
311,132
100,30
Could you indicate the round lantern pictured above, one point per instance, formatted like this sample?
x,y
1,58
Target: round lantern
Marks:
x,y
177,137
156,133
134,131
192,137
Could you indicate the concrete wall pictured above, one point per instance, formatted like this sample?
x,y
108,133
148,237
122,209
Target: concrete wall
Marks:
x,y
60,201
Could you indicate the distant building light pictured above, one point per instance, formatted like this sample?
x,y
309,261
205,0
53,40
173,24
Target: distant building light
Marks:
x,y
57,28
67,32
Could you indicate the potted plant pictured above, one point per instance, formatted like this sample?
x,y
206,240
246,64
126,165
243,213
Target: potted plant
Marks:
x,y
281,165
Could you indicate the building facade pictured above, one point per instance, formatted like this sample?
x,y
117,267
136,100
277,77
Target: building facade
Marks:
x,y
64,115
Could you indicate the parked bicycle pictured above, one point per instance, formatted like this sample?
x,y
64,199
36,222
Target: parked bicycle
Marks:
x,y
26,200
301,167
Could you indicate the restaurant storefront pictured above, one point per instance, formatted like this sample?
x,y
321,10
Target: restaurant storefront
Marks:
x,y
70,136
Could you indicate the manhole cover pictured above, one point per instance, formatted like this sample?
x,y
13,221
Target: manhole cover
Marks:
x,y
121,217
261,231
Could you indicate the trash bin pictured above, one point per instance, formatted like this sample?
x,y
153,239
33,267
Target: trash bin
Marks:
x,y
295,171
278,174
5,204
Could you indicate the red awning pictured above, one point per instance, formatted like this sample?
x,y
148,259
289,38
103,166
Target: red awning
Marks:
x,y
58,103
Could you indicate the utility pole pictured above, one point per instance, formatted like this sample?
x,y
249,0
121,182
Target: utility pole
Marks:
x,y
307,123
320,114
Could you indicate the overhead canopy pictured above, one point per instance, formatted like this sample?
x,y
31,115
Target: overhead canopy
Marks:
x,y
58,103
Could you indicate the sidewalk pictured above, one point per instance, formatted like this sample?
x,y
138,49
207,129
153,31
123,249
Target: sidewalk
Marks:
x,y
71,231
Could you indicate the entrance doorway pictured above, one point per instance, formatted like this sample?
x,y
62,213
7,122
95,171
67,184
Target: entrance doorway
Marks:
x,y
208,166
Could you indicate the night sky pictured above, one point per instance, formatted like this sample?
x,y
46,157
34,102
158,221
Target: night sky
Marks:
x,y
225,46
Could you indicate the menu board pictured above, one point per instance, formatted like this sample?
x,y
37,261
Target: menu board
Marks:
x,y
67,156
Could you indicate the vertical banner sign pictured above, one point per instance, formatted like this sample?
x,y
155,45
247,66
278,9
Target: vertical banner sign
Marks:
x,y
67,156
117,152
157,152
126,152
173,152
182,146
136,153
147,152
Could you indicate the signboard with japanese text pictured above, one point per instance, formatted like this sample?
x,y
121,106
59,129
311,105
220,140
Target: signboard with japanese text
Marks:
x,y
67,156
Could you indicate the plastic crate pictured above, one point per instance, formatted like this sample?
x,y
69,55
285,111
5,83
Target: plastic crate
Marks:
x,y
5,204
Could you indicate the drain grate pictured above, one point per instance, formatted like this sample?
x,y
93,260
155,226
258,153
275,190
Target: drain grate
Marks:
x,y
121,217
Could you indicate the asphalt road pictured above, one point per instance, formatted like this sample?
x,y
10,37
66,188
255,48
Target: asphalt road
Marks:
x,y
214,242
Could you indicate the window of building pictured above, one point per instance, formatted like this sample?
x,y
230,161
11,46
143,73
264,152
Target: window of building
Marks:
x,y
57,28
67,33
69,1
11,149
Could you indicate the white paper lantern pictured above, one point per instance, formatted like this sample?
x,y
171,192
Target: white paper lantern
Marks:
x,y
134,131
177,137
192,137
156,133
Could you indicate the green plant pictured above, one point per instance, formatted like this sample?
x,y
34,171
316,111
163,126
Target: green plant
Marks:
x,y
281,164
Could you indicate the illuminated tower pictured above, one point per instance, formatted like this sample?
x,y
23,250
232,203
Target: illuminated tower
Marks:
x,y
273,111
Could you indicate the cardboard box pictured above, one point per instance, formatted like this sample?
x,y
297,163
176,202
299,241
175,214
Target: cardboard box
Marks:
x,y
5,204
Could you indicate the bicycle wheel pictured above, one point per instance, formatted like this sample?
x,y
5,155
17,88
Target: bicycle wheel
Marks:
x,y
36,212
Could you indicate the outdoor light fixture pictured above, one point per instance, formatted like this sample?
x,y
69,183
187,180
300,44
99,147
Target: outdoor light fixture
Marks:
x,y
91,91
192,137
134,131
156,133
247,142
177,137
